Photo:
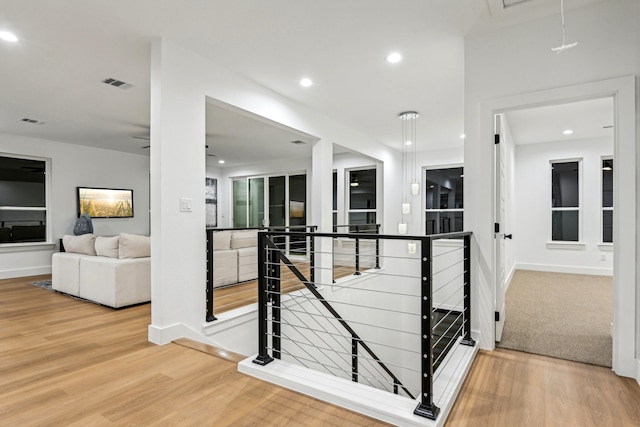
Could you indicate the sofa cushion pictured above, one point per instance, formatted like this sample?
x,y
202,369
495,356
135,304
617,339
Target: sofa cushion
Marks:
x,y
244,239
84,244
225,268
221,240
133,246
107,246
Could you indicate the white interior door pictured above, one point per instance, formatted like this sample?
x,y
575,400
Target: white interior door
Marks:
x,y
499,226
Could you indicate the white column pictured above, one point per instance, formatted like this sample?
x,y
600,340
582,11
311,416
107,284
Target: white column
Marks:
x,y
322,207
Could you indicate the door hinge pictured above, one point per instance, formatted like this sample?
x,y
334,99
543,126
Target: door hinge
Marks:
x,y
496,227
496,138
497,316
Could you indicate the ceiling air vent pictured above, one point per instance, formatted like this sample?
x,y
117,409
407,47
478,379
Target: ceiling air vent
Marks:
x,y
117,83
32,121
298,142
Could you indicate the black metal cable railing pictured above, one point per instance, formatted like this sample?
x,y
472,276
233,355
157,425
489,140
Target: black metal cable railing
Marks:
x,y
393,327
244,294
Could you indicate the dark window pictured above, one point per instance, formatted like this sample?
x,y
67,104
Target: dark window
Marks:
x,y
444,191
362,196
607,201
23,200
565,201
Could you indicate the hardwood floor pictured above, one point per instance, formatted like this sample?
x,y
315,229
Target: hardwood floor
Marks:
x,y
65,362
510,388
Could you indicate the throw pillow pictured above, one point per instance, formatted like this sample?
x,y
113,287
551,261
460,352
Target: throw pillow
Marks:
x,y
107,246
134,246
83,244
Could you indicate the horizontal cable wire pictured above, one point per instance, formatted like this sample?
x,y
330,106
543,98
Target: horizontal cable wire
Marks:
x,y
436,374
347,337
349,354
444,334
388,310
447,299
354,322
444,352
374,290
445,316
449,282
446,268
448,252
316,333
338,368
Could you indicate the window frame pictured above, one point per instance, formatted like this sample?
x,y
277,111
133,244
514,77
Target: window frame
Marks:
x,y
424,209
347,187
48,241
602,207
567,243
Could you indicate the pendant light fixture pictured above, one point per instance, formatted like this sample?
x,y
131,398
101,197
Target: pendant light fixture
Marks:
x,y
410,182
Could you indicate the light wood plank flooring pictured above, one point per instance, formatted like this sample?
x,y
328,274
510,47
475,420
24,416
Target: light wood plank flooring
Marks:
x,y
65,362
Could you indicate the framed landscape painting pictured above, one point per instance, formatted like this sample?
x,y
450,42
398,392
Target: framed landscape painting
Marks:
x,y
105,202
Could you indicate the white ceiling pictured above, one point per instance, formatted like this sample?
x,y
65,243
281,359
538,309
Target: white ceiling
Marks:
x,y
587,119
67,47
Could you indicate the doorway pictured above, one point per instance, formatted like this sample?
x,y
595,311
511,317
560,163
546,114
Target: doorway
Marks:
x,y
553,194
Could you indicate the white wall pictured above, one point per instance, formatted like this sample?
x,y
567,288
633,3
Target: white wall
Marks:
x,y
178,98
533,193
73,166
516,63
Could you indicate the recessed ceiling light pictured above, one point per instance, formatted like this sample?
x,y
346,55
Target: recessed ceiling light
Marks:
x,y
408,143
567,132
463,136
306,82
221,161
394,58
8,37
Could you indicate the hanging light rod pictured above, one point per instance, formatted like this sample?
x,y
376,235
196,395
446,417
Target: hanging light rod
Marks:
x,y
408,115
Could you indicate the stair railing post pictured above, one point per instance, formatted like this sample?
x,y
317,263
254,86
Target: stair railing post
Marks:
x,y
426,408
467,340
263,357
209,315
354,359
377,247
357,273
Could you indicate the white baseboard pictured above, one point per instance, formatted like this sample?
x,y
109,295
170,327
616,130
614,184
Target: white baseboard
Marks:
x,y
510,277
25,272
594,271
164,335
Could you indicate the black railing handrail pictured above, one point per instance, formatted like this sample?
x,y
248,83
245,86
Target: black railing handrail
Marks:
x,y
312,288
381,236
275,227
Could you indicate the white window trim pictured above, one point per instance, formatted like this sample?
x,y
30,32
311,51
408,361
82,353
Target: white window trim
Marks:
x,y
604,246
48,243
347,185
424,193
560,243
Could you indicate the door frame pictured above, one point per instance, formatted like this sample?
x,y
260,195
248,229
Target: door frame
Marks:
x,y
623,92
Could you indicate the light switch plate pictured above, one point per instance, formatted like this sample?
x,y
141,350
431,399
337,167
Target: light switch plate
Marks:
x,y
185,204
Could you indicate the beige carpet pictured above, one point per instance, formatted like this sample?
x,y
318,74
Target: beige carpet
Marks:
x,y
567,316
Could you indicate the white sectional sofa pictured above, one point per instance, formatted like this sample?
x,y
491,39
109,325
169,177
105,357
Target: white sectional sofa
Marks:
x,y
235,256
113,271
